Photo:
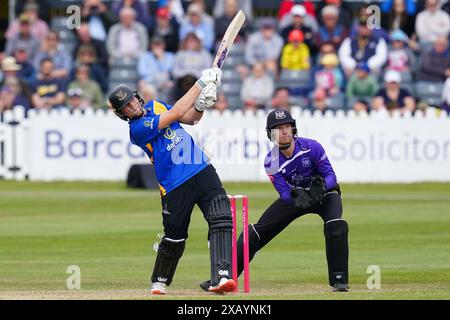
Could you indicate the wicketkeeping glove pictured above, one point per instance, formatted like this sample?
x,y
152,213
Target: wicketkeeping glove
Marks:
x,y
212,75
207,98
305,198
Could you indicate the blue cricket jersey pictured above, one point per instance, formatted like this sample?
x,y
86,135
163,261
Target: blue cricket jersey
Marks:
x,y
172,150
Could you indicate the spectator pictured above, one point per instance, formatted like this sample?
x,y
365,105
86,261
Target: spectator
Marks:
x,y
27,71
435,62
309,19
38,27
298,14
364,14
197,23
432,23
245,5
99,18
24,38
363,46
320,101
264,46
361,87
400,57
146,91
329,77
295,55
76,100
222,103
257,89
10,70
281,99
127,38
11,95
189,63
331,31
392,96
286,7
48,91
155,68
61,59
92,93
399,15
445,105
44,8
84,38
86,55
166,27
221,23
140,7
205,16
345,13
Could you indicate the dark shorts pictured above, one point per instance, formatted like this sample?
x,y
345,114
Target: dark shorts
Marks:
x,y
178,204
280,214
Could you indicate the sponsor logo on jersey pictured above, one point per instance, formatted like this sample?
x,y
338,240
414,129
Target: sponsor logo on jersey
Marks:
x,y
306,162
323,157
174,142
149,123
169,133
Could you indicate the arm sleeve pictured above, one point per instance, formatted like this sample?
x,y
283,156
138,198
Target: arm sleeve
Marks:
x,y
282,187
379,59
280,184
323,166
345,54
144,130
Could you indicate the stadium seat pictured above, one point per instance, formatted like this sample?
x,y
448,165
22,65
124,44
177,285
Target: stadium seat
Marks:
x,y
123,74
430,92
298,82
234,102
58,23
231,88
299,101
124,63
230,75
337,102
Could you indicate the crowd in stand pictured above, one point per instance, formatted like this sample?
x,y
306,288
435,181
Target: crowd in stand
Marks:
x,y
349,61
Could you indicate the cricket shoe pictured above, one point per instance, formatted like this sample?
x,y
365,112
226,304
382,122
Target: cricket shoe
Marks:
x,y
158,288
224,285
340,287
205,285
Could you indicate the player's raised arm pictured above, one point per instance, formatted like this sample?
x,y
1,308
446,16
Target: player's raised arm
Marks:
x,y
202,95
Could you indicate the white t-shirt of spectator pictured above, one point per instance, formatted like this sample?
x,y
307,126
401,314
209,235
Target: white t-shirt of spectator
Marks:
x,y
128,42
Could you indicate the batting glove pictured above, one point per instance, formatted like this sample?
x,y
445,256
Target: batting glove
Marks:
x,y
207,98
212,75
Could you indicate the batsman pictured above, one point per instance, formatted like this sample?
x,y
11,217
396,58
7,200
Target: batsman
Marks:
x,y
184,174
303,176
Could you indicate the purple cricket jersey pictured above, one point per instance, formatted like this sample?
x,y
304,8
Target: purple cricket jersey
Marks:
x,y
308,159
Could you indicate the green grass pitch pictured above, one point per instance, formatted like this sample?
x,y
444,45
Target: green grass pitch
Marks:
x,y
109,232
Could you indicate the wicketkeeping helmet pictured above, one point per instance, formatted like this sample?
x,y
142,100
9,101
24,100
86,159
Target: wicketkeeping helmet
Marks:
x,y
120,97
278,117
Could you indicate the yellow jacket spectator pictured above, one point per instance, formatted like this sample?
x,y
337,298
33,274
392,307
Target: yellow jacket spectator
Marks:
x,y
295,55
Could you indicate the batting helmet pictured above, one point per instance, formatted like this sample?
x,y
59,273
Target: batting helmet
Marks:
x,y
278,117
120,97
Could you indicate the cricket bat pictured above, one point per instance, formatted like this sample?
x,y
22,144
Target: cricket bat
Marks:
x,y
228,39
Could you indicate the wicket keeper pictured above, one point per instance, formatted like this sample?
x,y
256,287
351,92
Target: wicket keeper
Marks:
x,y
184,175
302,174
